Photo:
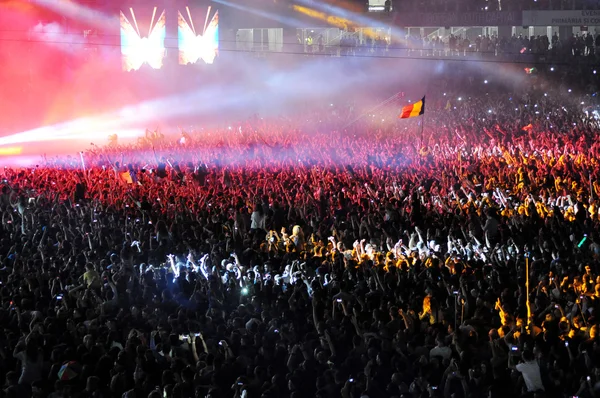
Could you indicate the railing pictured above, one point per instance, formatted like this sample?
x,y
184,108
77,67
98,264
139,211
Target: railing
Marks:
x,y
502,5
441,32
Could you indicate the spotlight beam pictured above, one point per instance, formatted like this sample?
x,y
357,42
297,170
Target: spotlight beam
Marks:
x,y
292,22
151,22
134,21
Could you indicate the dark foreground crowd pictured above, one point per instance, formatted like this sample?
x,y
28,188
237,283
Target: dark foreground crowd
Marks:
x,y
367,262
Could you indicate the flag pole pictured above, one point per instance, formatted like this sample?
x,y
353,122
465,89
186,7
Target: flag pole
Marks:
x,y
422,128
527,302
423,121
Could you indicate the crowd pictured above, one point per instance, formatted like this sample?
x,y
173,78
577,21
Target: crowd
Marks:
x,y
581,47
272,259
492,5
518,47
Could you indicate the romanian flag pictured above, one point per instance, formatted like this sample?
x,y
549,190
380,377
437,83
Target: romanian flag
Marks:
x,y
126,177
414,110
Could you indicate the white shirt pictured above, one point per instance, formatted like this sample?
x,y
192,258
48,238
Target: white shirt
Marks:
x,y
532,375
444,352
257,221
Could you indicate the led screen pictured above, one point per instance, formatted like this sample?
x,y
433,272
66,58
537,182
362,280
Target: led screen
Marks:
x,y
198,38
141,46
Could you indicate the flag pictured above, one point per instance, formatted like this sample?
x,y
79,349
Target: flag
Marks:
x,y
414,110
126,177
528,128
448,106
69,371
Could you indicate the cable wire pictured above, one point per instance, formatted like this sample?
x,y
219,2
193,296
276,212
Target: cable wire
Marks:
x,y
170,38
451,58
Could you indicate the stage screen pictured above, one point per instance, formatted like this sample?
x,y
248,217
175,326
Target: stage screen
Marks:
x,y
198,35
143,35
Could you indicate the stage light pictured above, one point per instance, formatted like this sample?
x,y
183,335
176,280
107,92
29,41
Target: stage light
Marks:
x,y
485,82
332,20
138,50
192,46
11,151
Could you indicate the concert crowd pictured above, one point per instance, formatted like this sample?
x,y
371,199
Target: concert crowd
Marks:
x,y
308,256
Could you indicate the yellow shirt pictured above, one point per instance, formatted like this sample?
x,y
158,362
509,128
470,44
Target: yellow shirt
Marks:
x,y
91,279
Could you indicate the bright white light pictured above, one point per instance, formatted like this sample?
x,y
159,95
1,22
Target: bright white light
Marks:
x,y
582,103
460,98
245,291
489,111
545,94
552,69
137,50
594,71
485,81
569,90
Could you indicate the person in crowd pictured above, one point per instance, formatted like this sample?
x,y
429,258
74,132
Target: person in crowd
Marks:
x,y
460,262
